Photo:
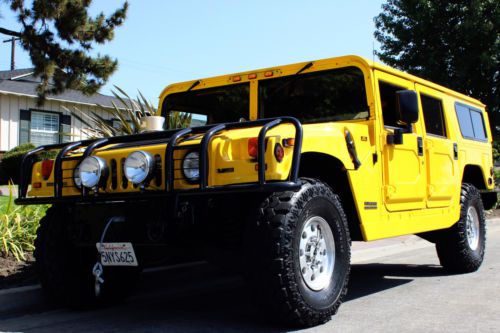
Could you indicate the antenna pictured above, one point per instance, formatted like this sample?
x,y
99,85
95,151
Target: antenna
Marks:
x,y
373,51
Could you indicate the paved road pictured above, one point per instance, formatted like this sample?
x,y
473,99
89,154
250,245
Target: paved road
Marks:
x,y
395,287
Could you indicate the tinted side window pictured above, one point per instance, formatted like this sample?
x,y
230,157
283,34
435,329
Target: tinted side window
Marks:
x,y
471,122
433,115
478,125
389,103
464,121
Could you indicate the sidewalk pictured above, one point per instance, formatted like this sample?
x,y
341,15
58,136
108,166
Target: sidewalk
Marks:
x,y
4,190
366,251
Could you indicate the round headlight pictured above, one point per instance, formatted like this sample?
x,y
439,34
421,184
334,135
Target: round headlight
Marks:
x,y
138,166
191,166
93,170
76,177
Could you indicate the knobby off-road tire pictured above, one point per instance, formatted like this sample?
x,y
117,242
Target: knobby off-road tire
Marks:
x,y
461,248
65,271
298,234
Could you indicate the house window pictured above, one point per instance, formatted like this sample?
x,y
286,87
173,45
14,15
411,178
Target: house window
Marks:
x,y
44,129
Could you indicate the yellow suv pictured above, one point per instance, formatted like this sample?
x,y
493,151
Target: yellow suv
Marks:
x,y
279,171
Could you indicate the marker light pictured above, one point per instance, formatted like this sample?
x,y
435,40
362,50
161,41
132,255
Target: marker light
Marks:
x,y
47,168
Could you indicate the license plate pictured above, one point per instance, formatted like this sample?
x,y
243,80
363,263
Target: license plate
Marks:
x,y
117,254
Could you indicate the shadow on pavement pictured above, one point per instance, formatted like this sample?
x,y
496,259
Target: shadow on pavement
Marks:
x,y
201,299
368,279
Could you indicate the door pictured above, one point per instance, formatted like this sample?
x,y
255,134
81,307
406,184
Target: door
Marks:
x,y
441,153
404,173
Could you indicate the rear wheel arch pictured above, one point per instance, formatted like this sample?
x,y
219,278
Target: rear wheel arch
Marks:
x,y
331,170
473,174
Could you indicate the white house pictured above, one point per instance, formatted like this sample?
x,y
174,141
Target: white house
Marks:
x,y
21,120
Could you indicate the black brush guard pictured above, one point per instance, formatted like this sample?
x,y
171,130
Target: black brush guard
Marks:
x,y
171,137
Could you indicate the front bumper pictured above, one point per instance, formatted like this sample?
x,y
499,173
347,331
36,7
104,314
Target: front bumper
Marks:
x,y
171,139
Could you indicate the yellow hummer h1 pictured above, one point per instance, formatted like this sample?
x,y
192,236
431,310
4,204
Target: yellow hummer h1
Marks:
x,y
279,171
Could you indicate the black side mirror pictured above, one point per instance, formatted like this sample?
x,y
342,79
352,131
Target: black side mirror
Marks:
x,y
407,108
407,103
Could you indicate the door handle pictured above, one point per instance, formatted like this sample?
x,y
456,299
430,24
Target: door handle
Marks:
x,y
455,151
420,146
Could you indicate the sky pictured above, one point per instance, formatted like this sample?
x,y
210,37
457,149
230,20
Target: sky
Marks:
x,y
163,42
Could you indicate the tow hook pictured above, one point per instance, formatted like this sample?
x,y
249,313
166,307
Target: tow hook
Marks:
x,y
97,272
98,269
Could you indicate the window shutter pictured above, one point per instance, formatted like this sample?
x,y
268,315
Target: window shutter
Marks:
x,y
65,128
24,126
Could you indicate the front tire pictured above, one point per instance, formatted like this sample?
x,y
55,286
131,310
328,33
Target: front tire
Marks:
x,y
300,254
461,248
65,270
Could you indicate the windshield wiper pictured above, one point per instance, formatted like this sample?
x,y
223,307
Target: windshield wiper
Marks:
x,y
195,83
292,79
306,66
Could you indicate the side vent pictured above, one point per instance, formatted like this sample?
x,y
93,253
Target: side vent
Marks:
x,y
124,179
158,168
114,175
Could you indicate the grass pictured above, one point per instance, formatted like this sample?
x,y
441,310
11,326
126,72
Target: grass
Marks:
x,y
3,201
18,225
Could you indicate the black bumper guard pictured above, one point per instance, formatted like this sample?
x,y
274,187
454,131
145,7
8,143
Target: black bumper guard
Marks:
x,y
172,139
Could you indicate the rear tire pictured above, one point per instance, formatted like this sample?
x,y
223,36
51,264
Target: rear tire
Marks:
x,y
299,255
461,248
65,270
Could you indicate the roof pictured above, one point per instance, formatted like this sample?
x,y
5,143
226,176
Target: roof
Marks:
x,y
22,82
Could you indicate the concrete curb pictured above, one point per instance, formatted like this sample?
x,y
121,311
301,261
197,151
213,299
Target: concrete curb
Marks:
x,y
20,299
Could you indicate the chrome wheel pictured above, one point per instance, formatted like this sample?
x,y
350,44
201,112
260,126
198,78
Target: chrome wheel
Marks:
x,y
472,228
316,253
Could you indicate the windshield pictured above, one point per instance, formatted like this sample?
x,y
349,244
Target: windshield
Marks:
x,y
331,95
211,106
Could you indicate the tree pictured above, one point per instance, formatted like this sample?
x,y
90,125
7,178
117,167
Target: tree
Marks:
x,y
58,35
453,43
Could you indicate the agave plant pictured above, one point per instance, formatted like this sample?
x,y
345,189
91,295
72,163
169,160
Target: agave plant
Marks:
x,y
128,114
178,119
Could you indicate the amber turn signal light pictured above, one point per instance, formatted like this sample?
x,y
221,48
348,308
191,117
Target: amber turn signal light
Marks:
x,y
290,142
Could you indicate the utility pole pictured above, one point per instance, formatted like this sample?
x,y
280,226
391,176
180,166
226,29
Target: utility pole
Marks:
x,y
13,52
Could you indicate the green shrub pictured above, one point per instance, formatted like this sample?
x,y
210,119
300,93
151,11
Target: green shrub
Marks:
x,y
18,225
11,163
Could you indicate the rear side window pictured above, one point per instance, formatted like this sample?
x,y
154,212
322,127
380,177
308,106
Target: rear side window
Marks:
x,y
471,122
478,125
433,115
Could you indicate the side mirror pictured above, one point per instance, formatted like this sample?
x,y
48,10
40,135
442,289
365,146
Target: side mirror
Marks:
x,y
407,103
407,108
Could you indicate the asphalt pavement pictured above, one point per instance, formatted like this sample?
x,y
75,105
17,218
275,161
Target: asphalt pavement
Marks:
x,y
396,285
